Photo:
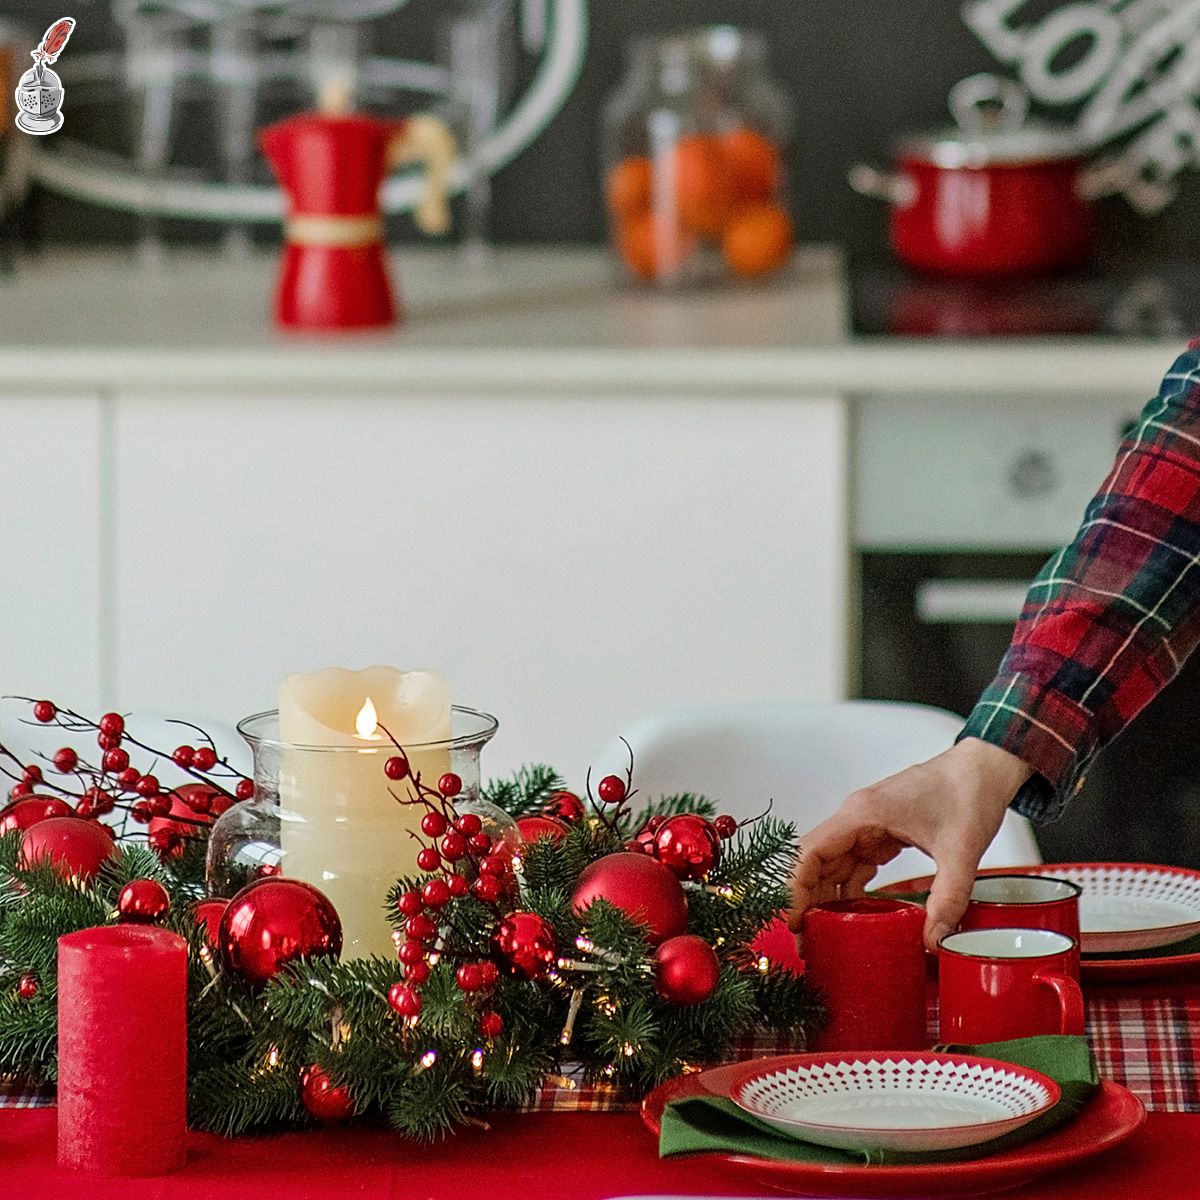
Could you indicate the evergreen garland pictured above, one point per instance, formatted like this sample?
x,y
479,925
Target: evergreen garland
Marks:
x,y
249,1050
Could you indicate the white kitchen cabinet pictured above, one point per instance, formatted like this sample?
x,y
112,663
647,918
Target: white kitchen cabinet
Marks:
x,y
52,547
571,561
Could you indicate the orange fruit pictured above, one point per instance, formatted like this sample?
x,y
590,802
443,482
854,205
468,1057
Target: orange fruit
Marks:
x,y
703,186
758,240
754,165
652,248
628,187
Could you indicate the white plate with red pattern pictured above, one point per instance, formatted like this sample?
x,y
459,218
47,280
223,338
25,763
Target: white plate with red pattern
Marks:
x,y
902,1101
1131,906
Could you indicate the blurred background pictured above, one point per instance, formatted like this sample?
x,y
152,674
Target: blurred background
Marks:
x,y
857,73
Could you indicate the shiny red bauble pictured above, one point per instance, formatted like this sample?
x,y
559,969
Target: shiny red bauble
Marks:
x,y
688,845
450,784
273,921
23,814
643,889
28,987
405,1000
566,806
686,970
73,846
44,711
491,1024
143,902
525,945
207,915
329,1102
532,828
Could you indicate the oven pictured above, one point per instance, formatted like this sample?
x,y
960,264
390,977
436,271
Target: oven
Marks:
x,y
958,505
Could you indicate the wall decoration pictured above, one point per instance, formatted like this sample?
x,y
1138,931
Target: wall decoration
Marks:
x,y
1127,72
236,49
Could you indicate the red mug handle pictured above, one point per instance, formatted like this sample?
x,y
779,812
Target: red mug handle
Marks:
x,y
1070,1000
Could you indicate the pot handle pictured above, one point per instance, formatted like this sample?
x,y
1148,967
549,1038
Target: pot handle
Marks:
x,y
898,190
425,139
988,102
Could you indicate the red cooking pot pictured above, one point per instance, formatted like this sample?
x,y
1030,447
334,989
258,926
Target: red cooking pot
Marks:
x,y
995,196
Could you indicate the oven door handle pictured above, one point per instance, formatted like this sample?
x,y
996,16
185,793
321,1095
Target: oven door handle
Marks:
x,y
970,601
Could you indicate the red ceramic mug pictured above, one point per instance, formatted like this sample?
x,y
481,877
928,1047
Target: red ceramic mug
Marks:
x,y
996,984
1025,902
867,960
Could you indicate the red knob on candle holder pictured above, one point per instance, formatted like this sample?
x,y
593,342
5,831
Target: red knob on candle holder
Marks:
x,y
122,1051
867,959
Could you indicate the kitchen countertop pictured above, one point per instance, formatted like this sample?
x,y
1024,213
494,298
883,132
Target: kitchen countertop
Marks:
x,y
526,320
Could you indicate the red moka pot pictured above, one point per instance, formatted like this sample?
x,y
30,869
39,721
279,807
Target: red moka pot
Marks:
x,y
995,197
331,164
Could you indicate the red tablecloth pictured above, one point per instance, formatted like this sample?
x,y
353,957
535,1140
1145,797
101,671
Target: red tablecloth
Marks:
x,y
540,1156
578,1142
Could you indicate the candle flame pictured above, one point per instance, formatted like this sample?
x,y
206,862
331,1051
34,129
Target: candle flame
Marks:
x,y
367,720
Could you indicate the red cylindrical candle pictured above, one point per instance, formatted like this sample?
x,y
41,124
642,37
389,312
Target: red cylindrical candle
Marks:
x,y
867,959
122,1050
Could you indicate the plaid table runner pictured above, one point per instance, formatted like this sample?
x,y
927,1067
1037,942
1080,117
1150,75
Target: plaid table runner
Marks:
x,y
1147,1039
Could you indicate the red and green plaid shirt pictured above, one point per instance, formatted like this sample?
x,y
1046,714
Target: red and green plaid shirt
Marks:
x,y
1110,618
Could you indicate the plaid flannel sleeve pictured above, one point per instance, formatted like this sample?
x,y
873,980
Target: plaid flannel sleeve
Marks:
x,y
1110,618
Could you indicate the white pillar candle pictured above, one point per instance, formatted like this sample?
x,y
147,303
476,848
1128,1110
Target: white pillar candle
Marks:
x,y
342,830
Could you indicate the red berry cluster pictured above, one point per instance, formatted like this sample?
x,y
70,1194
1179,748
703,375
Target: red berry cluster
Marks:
x,y
458,846
92,790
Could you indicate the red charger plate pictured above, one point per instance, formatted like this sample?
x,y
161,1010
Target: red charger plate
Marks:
x,y
1111,1115
1092,967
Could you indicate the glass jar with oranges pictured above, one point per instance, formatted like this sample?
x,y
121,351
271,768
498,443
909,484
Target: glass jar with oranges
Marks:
x,y
693,159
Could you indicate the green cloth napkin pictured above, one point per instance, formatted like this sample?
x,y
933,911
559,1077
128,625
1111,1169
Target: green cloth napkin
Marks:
x,y
704,1124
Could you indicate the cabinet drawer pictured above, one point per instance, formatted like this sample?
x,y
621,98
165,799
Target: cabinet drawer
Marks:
x,y
998,473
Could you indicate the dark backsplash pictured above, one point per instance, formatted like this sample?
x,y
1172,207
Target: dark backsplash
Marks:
x,y
859,72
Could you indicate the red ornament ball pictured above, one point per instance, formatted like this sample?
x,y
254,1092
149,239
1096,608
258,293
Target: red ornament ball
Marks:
x,y
469,825
688,845
325,1100
611,789
429,859
272,921
32,774
525,945
411,952
404,1000
183,756
458,885
726,826
420,928
396,767
491,1024
44,711
686,970
532,828
143,902
469,978
643,889
20,791
450,784
207,915
73,846
416,972
27,987
486,889
436,893
244,789
565,806
408,904
22,814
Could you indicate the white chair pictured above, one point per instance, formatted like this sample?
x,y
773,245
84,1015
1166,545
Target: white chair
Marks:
x,y
807,758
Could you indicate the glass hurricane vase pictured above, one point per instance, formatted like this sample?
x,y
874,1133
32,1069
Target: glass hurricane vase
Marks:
x,y
330,816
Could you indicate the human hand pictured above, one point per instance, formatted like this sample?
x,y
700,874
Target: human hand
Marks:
x,y
950,807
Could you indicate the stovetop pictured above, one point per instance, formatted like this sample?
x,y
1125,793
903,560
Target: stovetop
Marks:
x,y
1156,303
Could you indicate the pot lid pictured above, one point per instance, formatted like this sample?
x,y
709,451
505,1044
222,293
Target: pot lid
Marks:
x,y
991,129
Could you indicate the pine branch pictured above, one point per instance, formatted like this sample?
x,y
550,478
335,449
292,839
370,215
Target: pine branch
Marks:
x,y
526,792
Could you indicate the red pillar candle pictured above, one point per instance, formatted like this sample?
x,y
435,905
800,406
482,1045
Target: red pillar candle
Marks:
x,y
122,1050
868,960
